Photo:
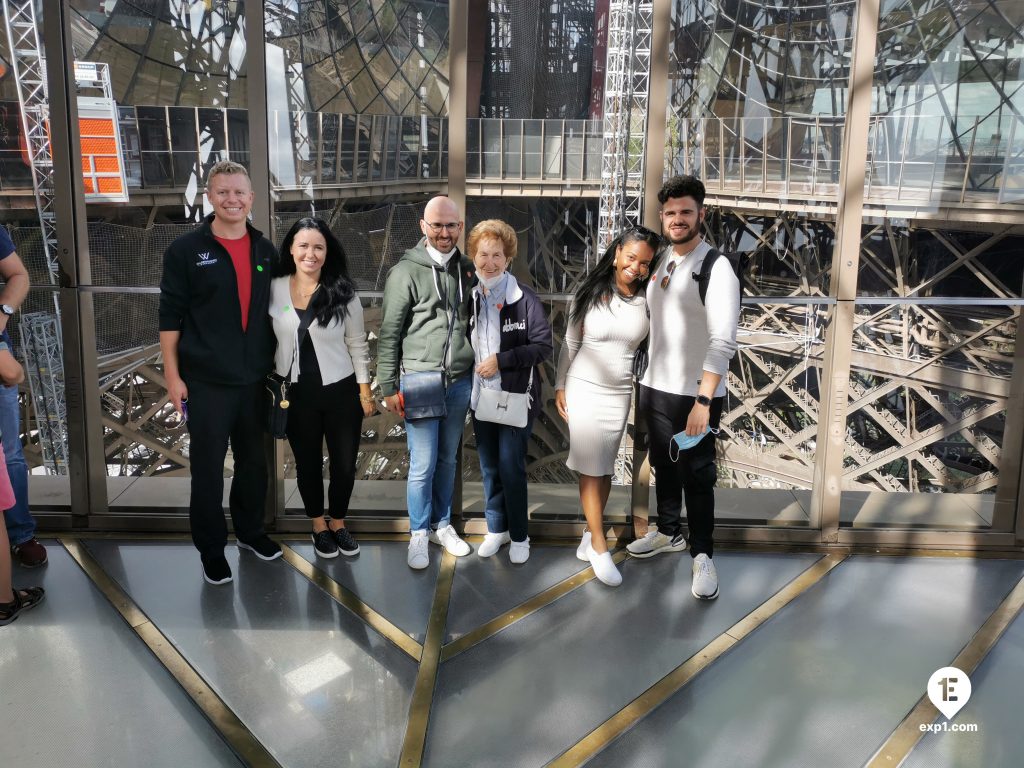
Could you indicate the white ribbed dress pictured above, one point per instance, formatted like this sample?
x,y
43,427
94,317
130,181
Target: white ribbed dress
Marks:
x,y
595,368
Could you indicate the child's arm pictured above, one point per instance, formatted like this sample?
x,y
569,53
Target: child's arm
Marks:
x,y
11,372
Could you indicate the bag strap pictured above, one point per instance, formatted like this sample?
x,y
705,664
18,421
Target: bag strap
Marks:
x,y
451,312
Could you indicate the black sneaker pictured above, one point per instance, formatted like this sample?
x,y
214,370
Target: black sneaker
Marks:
x,y
323,544
346,543
262,546
216,569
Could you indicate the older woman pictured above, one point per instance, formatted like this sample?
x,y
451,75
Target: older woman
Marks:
x,y
321,348
608,320
511,337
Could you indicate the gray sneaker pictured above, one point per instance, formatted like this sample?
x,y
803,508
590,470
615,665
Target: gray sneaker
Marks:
x,y
705,578
654,543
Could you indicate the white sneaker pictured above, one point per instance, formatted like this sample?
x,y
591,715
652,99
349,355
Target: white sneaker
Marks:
x,y
581,550
705,578
604,567
449,539
519,551
418,558
492,543
655,542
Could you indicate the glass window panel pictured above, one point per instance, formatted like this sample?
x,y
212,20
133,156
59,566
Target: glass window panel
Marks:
x,y
929,389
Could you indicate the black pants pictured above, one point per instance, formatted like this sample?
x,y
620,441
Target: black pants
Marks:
x,y
316,413
691,477
218,415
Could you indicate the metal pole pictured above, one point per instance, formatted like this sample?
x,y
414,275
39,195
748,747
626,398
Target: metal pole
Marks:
x,y
259,172
86,464
458,76
831,439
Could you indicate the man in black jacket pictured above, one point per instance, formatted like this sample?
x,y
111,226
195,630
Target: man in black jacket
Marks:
x,y
218,347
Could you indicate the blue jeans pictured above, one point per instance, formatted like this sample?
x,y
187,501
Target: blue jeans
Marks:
x,y
433,445
502,453
20,525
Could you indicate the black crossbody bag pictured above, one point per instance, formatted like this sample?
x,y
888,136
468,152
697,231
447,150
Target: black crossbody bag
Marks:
x,y
277,386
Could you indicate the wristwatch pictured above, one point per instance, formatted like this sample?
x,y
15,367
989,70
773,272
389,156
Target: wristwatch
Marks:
x,y
7,309
704,400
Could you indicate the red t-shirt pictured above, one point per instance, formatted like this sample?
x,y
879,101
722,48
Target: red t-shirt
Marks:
x,y
239,251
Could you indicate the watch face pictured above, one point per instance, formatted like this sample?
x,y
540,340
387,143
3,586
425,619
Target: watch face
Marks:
x,y
7,309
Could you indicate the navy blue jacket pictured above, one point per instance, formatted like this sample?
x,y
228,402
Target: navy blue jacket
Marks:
x,y
525,340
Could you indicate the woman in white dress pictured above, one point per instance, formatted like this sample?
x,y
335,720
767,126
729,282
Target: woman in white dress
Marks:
x,y
608,320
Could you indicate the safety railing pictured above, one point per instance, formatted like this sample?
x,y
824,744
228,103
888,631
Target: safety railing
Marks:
x,y
172,147
910,158
534,150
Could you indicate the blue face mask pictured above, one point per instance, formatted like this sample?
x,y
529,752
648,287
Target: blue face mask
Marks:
x,y
684,442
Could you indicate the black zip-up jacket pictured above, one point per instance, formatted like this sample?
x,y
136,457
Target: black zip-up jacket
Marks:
x,y
199,297
525,340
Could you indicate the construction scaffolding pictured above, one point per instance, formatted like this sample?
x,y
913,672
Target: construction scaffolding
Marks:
x,y
626,92
40,332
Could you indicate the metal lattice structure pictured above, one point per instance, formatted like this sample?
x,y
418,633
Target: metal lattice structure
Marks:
x,y
626,92
30,76
40,338
539,59
758,111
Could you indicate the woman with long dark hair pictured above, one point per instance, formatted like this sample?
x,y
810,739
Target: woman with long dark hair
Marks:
x,y
322,350
608,320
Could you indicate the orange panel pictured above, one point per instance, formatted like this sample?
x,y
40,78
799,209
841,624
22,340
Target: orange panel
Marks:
x,y
99,147
86,165
91,126
87,182
110,186
107,164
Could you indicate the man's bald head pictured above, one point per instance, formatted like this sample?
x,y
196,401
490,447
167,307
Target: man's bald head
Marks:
x,y
441,223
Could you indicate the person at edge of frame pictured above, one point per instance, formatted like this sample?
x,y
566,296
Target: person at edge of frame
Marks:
x,y
429,286
21,527
683,389
12,600
218,346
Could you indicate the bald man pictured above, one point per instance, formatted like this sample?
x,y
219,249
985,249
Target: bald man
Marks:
x,y
428,289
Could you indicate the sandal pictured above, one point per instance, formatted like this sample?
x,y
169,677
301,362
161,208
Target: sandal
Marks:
x,y
24,599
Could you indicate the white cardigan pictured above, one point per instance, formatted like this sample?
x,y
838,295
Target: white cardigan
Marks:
x,y
341,348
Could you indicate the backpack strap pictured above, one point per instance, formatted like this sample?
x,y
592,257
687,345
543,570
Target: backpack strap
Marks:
x,y
703,277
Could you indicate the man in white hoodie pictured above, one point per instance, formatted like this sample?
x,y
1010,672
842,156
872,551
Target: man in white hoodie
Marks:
x,y
426,290
682,391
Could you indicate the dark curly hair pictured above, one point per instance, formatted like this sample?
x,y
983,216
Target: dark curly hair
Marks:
x,y
336,287
682,186
600,283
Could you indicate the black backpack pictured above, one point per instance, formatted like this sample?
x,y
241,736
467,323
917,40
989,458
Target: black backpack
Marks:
x,y
738,261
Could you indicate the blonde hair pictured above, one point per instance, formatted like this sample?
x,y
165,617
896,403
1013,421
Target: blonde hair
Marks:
x,y
495,229
227,168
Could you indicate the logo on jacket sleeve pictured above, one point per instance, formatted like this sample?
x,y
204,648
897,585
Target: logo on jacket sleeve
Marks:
x,y
510,326
204,259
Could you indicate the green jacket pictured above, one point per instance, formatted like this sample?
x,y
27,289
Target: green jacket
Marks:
x,y
415,319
